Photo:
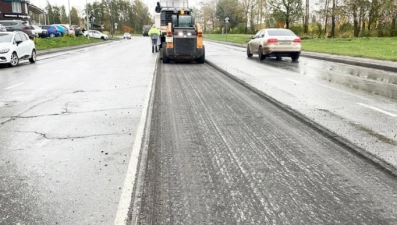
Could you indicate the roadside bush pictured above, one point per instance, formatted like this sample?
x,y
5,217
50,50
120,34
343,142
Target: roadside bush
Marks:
x,y
297,29
240,29
345,27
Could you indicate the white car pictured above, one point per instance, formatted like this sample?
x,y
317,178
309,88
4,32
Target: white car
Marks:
x,y
95,34
127,36
16,46
275,42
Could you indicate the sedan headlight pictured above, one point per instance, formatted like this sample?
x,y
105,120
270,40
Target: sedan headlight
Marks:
x,y
4,50
189,34
180,34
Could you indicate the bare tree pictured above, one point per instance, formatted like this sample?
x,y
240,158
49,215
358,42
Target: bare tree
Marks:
x,y
288,10
248,6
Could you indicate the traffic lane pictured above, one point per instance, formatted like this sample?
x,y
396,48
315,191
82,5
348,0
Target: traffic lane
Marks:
x,y
365,119
368,79
68,131
221,154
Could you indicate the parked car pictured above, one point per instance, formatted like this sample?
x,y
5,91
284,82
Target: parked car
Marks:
x,y
16,46
19,25
70,29
275,42
52,31
2,28
127,36
77,30
40,31
95,34
62,29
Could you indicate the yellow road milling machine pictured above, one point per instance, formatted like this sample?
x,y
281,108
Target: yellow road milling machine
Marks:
x,y
181,38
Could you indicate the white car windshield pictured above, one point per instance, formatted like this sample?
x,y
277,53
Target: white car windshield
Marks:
x,y
280,33
5,38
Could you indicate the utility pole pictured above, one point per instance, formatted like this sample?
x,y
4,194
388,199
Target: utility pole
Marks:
x,y
111,17
70,20
48,15
86,14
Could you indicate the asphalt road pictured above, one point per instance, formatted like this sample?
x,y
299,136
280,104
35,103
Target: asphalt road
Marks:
x,y
71,126
221,154
67,129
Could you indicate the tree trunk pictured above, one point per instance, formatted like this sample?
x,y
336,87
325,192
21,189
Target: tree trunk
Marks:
x,y
333,19
326,18
393,27
306,22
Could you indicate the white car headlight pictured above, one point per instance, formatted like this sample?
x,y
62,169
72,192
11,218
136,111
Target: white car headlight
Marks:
x,y
189,34
4,50
180,34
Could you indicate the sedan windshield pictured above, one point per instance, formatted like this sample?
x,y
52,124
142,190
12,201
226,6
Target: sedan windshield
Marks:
x,y
280,33
5,38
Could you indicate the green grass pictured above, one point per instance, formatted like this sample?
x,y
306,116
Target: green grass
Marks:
x,y
375,48
66,41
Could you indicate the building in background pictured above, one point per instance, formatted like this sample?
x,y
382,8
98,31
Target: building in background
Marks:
x,y
18,10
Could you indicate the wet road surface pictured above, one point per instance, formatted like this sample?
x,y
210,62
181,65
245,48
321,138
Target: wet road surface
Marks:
x,y
221,154
313,88
67,127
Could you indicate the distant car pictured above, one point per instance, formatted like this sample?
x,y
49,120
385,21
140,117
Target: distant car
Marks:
x,y
127,36
145,30
275,42
77,30
2,28
52,31
70,29
62,29
19,25
40,31
95,34
16,46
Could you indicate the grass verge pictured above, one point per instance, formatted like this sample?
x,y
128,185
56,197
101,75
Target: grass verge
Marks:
x,y
65,41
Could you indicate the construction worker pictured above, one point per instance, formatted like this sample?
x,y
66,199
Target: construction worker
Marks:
x,y
154,34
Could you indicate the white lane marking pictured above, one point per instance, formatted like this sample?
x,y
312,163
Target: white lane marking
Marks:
x,y
292,80
344,92
125,198
13,86
377,109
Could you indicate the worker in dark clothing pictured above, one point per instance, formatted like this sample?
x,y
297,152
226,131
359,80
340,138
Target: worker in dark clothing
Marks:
x,y
158,7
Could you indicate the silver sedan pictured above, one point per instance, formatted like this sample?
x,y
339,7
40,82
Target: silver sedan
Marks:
x,y
275,42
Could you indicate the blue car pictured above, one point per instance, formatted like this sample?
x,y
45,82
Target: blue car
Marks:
x,y
52,31
61,29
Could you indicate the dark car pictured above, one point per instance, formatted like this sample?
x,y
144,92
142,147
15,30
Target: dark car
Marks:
x,y
40,31
19,25
77,30
52,31
145,30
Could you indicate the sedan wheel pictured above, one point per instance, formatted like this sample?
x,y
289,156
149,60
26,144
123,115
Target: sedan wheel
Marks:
x,y
52,35
14,59
294,57
32,59
249,54
260,53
